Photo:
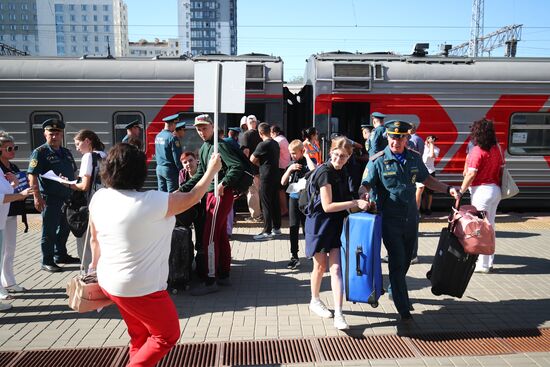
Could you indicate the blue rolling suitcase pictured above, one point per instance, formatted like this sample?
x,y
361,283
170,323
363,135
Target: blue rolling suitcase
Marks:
x,y
360,253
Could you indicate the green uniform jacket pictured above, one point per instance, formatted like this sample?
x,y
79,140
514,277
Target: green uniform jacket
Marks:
x,y
43,159
395,183
377,140
231,171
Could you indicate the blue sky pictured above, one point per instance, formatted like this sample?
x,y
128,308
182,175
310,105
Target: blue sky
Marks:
x,y
296,29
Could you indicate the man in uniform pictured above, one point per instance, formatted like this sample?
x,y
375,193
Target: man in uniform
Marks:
x,y
233,136
377,138
51,196
133,130
167,154
179,131
394,172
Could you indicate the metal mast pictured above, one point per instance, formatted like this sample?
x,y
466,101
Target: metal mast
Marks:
x,y
476,28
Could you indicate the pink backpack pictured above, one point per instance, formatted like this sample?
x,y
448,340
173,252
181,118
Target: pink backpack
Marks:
x,y
473,230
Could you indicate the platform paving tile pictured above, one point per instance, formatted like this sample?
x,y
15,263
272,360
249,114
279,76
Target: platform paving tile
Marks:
x,y
268,301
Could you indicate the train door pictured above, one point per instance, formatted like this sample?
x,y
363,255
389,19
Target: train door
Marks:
x,y
346,119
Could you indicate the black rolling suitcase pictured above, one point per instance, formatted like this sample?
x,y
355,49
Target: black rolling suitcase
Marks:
x,y
452,268
180,261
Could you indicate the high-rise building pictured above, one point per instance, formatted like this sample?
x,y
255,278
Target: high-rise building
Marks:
x,y
207,26
143,48
65,27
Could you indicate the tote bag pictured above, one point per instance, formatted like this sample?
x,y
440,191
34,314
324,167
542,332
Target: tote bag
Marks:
x,y
508,187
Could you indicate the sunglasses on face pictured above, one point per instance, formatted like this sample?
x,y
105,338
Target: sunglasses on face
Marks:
x,y
11,149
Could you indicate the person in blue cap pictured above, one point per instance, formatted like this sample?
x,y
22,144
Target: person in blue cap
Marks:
x,y
179,131
233,136
377,139
167,154
393,173
133,130
50,195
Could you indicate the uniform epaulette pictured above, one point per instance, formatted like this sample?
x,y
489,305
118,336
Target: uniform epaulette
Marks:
x,y
376,156
413,150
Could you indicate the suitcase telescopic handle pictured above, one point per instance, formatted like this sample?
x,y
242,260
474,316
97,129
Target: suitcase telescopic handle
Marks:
x,y
358,253
456,206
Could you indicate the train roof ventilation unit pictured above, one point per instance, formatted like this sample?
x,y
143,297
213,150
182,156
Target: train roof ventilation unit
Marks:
x,y
420,49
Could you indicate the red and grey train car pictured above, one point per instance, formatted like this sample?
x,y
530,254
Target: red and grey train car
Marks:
x,y
105,94
442,96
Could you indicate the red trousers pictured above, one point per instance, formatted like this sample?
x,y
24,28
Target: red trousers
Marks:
x,y
217,251
153,326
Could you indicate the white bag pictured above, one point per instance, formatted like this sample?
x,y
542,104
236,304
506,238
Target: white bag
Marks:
x,y
508,187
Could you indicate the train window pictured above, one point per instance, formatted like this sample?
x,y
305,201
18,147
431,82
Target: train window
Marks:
x,y
255,72
352,71
121,119
351,85
37,118
254,86
529,134
378,72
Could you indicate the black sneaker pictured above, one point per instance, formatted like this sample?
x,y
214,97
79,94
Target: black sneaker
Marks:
x,y
67,259
293,263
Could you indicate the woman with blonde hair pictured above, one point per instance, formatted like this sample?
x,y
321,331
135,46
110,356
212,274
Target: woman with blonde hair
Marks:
x,y
324,226
8,181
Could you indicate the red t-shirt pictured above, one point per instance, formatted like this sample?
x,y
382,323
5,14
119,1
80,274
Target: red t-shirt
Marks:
x,y
487,164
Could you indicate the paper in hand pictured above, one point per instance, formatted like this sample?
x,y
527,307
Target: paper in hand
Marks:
x,y
50,175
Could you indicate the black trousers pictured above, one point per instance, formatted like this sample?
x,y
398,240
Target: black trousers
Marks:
x,y
271,208
296,219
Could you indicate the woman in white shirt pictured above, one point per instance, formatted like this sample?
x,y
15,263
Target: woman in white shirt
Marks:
x,y
431,152
88,144
7,182
131,231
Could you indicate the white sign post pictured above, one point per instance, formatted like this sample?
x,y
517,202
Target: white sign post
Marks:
x,y
219,88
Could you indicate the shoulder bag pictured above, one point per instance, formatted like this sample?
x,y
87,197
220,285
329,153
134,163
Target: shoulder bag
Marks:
x,y
83,290
508,187
75,207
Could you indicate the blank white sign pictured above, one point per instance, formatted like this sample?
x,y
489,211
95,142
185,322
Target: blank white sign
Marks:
x,y
233,78
233,87
205,87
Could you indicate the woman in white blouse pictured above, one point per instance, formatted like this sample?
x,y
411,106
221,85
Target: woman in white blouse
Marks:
x,y
88,144
7,182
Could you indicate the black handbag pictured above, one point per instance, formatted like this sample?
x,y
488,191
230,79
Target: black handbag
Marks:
x,y
76,212
75,207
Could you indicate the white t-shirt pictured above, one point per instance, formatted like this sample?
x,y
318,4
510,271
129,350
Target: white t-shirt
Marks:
x,y
5,188
284,154
428,161
134,237
86,163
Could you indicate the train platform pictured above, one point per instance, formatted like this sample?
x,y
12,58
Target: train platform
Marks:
x,y
263,318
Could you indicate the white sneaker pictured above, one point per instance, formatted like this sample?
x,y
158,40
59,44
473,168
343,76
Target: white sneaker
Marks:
x,y
4,295
276,231
263,236
16,288
482,270
319,308
340,322
4,306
